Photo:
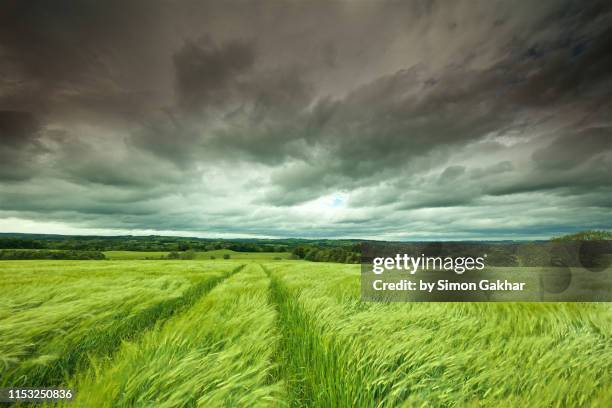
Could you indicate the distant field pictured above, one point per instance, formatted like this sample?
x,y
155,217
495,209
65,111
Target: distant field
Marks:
x,y
133,255
254,332
218,254
260,256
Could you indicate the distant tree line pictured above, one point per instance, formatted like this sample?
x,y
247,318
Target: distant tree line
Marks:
x,y
142,244
22,254
342,254
591,235
572,250
34,246
18,243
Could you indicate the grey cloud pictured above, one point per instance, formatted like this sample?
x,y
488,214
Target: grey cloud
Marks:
x,y
18,129
169,138
574,149
141,107
501,167
451,174
575,180
84,163
20,145
205,71
577,66
96,58
285,198
407,114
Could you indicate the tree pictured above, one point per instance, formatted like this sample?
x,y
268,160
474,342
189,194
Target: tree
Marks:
x,y
299,251
173,255
190,254
312,255
591,235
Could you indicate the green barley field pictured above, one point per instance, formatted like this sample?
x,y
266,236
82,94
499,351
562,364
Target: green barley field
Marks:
x,y
259,331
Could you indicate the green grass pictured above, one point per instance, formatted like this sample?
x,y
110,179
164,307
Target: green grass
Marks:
x,y
343,352
219,353
55,315
208,333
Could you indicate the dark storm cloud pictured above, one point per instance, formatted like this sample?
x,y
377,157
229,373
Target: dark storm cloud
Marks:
x,y
95,163
227,108
412,112
168,138
498,168
18,129
575,149
405,115
20,145
575,64
206,74
164,112
86,60
450,174
68,37
592,176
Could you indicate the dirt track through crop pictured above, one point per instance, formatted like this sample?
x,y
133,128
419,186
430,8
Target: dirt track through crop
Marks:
x,y
218,353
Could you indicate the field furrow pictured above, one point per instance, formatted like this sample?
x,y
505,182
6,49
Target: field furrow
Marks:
x,y
217,353
310,361
340,352
69,323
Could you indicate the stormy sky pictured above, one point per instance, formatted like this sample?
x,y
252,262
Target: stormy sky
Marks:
x,y
362,119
